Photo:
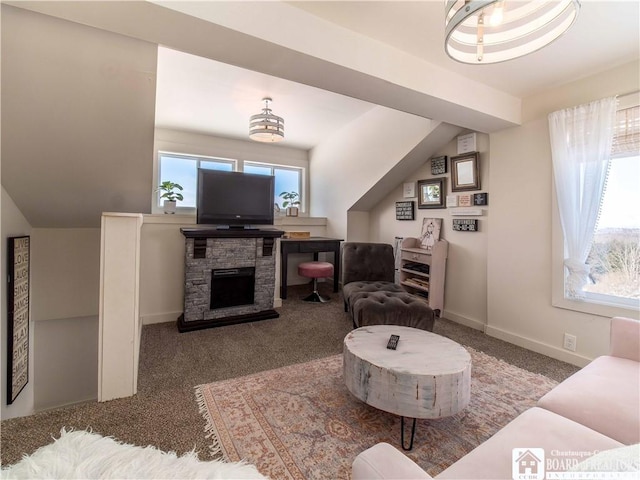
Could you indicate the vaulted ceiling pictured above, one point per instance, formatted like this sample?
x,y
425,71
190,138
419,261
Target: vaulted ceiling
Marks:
x,y
78,116
199,94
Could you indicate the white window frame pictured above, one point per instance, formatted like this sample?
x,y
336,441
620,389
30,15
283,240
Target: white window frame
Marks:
x,y
593,303
237,166
157,204
300,171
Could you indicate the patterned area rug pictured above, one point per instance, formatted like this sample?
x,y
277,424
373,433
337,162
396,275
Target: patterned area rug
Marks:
x,y
301,422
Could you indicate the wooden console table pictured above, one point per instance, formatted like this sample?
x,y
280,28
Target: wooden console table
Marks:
x,y
309,245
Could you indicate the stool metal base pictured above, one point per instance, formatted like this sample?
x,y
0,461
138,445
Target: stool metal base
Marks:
x,y
315,297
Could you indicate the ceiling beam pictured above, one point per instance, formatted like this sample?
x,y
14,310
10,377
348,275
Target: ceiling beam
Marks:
x,y
309,50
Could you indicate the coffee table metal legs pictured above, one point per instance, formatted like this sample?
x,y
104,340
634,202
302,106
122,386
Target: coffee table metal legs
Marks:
x,y
413,434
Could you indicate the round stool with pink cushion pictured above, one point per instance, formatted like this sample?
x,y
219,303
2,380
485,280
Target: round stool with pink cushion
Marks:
x,y
315,270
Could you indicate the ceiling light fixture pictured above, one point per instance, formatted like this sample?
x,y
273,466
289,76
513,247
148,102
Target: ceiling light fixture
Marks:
x,y
492,31
265,126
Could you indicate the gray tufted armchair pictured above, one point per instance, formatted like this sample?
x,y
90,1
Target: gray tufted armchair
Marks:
x,y
367,267
370,294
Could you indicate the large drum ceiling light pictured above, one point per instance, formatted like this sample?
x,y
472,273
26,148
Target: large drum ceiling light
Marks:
x,y
492,31
265,126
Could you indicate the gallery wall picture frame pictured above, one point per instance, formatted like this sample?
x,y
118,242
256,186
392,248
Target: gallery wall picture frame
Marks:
x,y
430,233
409,190
465,225
439,165
405,210
431,193
464,200
465,172
481,198
18,273
452,200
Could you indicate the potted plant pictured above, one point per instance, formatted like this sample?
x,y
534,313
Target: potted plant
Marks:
x,y
170,195
291,202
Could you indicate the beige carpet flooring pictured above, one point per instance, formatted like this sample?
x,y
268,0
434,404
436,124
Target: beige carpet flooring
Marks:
x,y
164,413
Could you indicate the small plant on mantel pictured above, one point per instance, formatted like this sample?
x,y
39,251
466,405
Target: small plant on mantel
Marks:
x,y
170,195
291,202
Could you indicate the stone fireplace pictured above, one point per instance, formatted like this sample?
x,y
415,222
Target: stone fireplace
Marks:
x,y
229,277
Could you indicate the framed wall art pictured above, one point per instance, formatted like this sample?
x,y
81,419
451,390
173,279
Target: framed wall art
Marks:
x,y
430,233
439,165
481,198
409,190
405,210
465,172
431,193
18,316
465,225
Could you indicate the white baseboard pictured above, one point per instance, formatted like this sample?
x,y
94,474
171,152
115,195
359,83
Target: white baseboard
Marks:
x,y
160,318
539,347
45,408
468,322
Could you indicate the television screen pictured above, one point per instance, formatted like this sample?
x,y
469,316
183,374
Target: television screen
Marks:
x,y
235,199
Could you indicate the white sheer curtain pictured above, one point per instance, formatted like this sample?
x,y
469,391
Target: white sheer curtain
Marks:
x,y
581,139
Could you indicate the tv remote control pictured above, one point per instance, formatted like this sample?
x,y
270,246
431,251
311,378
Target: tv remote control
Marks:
x,y
393,342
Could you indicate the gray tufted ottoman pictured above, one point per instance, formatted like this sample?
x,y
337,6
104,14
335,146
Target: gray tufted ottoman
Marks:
x,y
390,308
354,290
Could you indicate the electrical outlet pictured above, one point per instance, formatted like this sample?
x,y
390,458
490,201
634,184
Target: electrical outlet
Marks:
x,y
570,342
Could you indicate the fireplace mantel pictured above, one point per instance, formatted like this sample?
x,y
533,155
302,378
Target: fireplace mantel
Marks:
x,y
213,232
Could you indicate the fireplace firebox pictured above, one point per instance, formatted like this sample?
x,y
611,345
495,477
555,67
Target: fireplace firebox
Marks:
x,y
231,287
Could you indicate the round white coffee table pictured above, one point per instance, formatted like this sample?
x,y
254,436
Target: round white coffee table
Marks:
x,y
427,376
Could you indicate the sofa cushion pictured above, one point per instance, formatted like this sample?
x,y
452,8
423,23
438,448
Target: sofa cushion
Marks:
x,y
382,461
625,338
535,428
604,396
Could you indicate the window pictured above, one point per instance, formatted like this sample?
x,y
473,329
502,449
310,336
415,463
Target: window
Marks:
x,y
183,170
613,261
614,258
288,179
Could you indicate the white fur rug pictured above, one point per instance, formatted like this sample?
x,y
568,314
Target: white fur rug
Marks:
x,y
85,455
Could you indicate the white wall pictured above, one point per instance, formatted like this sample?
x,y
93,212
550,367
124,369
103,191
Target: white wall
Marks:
x,y
520,249
66,270
466,274
65,283
14,224
66,363
345,166
78,107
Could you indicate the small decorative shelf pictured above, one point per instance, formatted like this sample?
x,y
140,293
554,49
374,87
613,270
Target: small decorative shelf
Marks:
x,y
422,272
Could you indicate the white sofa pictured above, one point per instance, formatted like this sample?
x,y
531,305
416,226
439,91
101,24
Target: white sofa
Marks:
x,y
597,409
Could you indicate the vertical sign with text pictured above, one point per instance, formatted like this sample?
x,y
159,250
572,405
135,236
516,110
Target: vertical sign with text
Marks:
x,y
18,318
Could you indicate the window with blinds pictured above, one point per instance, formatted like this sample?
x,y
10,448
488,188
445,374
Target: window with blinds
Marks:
x,y
615,254
626,138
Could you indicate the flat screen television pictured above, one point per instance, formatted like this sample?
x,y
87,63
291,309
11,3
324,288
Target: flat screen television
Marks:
x,y
234,199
